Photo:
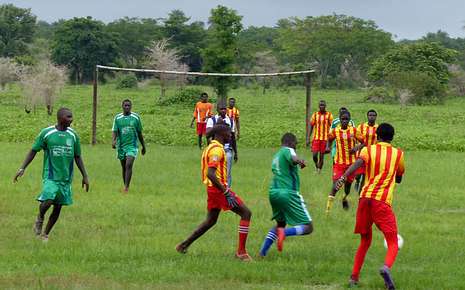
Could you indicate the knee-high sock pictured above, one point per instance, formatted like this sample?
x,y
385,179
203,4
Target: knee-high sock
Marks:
x,y
294,231
243,232
362,250
393,248
269,239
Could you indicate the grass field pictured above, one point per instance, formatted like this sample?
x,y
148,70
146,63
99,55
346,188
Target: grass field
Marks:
x,y
110,241
107,240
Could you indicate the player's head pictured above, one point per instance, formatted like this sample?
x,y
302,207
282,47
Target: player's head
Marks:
x,y
232,102
126,105
221,107
371,116
322,105
289,140
64,117
344,117
385,132
203,97
221,132
343,109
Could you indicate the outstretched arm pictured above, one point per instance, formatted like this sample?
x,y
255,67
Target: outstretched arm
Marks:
x,y
356,165
29,157
82,169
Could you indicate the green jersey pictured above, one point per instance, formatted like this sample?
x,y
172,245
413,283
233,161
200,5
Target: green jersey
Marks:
x,y
285,172
127,128
60,148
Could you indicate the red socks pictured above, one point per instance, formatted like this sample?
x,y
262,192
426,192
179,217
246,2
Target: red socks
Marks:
x,y
243,232
362,250
393,248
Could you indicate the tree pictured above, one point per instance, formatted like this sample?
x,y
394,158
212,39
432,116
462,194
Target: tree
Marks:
x,y
42,83
220,52
161,57
82,43
9,71
265,62
254,40
17,26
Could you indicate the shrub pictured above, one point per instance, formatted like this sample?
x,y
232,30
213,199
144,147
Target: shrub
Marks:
x,y
380,95
187,96
126,81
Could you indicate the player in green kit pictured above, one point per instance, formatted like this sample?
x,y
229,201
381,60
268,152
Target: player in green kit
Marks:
x,y
127,128
62,148
287,203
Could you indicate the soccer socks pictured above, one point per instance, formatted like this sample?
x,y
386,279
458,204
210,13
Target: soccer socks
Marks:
x,y
393,248
362,250
243,232
272,236
329,204
294,231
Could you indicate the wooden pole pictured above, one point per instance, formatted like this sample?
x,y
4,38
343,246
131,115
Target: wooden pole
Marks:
x,y
308,106
94,108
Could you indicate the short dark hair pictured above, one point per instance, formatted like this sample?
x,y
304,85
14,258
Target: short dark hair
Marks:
x,y
344,113
126,100
61,111
288,138
342,109
218,128
385,132
322,101
203,94
372,111
231,98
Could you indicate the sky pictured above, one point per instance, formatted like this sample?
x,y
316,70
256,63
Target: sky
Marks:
x,y
405,19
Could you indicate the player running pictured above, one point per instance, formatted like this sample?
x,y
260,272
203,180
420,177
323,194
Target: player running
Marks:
x,y
62,148
320,124
384,167
345,137
202,111
368,132
336,123
220,196
286,202
127,128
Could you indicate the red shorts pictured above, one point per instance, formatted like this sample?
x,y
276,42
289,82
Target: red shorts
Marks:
x,y
319,146
360,170
216,199
371,211
338,171
201,128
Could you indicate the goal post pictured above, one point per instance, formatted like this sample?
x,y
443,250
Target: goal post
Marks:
x,y
306,73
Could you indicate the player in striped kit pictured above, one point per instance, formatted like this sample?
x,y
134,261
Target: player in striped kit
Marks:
x,y
320,124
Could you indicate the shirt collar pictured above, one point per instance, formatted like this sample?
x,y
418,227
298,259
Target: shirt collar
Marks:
x,y
217,143
384,144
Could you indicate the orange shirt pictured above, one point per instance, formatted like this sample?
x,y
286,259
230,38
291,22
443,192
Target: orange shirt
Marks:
x,y
345,141
368,133
321,123
214,156
383,163
233,113
202,111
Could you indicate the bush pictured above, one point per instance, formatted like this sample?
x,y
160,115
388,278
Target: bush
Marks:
x,y
186,96
380,95
126,81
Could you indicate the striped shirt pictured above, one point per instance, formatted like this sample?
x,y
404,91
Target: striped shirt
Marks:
x,y
368,133
345,141
233,114
214,156
383,163
321,123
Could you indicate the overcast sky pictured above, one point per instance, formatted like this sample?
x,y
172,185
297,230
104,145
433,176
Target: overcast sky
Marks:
x,y
410,19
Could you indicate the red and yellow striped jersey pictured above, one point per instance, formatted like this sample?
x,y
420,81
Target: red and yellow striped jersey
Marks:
x,y
202,111
321,123
383,163
233,113
214,156
368,133
345,141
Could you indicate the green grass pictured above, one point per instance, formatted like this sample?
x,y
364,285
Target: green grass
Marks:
x,y
110,241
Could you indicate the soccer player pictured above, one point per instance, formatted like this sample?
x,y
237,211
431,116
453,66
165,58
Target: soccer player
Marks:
x,y
202,111
368,132
337,122
320,124
220,196
384,167
222,117
345,137
62,148
287,203
233,113
127,128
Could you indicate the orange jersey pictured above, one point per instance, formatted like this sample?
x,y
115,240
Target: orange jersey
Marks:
x,y
214,156
321,124
368,133
202,111
345,141
233,113
383,163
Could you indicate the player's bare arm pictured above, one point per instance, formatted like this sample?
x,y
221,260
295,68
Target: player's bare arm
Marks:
x,y
29,157
82,169
142,142
114,136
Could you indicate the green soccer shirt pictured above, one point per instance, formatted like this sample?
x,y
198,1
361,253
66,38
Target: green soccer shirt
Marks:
x,y
127,128
60,148
285,172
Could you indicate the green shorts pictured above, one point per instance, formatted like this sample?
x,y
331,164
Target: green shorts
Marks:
x,y
58,191
289,207
127,151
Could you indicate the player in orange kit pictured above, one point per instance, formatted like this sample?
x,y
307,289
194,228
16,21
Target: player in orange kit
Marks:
x,y
202,111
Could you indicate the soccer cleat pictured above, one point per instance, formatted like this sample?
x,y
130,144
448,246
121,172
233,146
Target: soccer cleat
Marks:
x,y
281,237
345,204
44,238
353,282
38,226
329,204
244,257
386,274
181,249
